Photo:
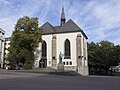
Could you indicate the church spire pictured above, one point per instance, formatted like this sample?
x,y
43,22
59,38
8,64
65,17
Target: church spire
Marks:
x,y
62,17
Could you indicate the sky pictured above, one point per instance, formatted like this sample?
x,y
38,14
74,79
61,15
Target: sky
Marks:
x,y
99,19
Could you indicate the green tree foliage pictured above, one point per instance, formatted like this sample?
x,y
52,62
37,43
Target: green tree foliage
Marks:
x,y
103,55
24,40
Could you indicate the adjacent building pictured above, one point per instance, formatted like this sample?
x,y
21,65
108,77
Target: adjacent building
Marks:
x,y
7,45
2,41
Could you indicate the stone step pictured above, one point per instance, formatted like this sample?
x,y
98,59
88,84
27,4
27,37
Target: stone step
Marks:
x,y
53,71
47,70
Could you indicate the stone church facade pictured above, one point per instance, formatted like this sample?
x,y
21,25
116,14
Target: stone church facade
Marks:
x,y
69,39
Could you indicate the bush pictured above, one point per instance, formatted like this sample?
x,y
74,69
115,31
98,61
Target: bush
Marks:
x,y
28,65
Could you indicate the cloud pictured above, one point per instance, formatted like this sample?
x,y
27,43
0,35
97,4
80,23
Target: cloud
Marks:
x,y
8,24
13,10
5,2
99,19
108,16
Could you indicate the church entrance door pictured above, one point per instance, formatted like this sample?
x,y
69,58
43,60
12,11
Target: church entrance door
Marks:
x,y
43,63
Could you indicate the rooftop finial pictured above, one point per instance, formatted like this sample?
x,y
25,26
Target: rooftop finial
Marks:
x,y
62,16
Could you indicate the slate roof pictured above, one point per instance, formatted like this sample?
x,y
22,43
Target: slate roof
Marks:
x,y
68,27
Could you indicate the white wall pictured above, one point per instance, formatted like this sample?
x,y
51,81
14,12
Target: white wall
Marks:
x,y
48,40
60,47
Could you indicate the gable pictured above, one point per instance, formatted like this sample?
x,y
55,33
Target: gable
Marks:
x,y
47,28
68,27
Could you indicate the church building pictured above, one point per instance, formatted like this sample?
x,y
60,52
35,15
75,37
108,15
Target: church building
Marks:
x,y
67,39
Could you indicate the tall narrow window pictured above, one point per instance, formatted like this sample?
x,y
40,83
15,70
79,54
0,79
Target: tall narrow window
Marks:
x,y
67,51
44,49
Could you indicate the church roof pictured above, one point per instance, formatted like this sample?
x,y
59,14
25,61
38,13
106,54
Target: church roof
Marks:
x,y
68,27
47,28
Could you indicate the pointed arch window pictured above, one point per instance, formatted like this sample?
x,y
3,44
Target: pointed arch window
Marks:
x,y
67,51
44,49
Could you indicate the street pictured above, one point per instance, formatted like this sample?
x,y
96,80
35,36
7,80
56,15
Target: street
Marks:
x,y
11,80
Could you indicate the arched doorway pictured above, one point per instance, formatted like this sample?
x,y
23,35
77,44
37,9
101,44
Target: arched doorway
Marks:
x,y
43,61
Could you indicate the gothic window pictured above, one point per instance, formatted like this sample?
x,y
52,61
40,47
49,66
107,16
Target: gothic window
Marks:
x,y
67,51
44,49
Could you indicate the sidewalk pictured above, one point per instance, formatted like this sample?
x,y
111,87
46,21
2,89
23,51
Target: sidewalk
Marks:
x,y
44,71
55,72
65,73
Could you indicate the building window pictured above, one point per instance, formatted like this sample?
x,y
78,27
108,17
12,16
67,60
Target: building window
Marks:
x,y
4,53
54,58
44,49
67,51
2,33
5,48
78,56
70,63
66,63
49,62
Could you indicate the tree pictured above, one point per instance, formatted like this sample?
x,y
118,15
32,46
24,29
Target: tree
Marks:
x,y
106,47
115,56
103,55
24,40
94,56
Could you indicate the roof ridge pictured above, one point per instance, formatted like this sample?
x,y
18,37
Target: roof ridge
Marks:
x,y
49,25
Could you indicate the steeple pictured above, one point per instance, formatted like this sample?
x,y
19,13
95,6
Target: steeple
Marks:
x,y
62,17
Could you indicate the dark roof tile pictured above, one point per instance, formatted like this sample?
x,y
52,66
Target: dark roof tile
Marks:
x,y
68,27
47,28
